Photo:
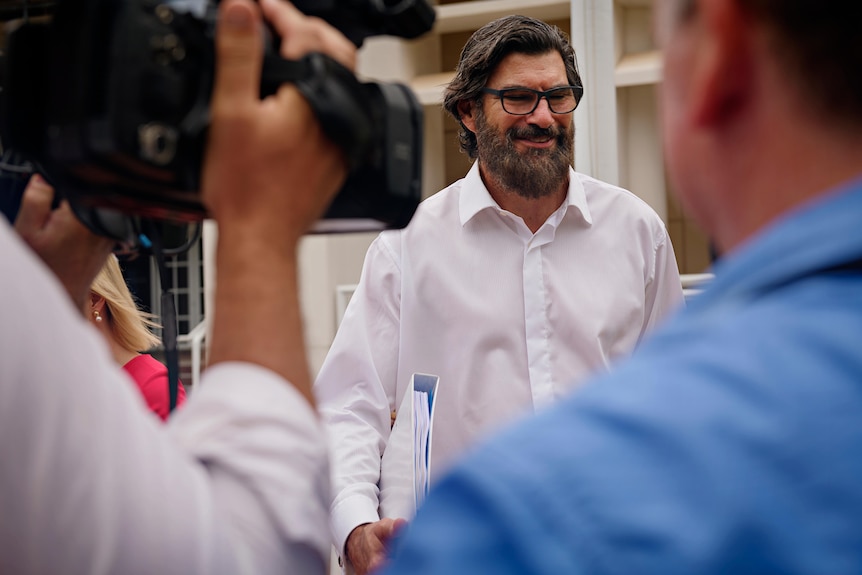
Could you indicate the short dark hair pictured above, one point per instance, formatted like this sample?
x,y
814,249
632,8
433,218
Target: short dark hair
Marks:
x,y
487,47
817,44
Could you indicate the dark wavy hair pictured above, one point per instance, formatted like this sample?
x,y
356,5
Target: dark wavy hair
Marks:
x,y
487,47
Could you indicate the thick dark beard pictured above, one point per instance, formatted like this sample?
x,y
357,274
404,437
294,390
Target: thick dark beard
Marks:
x,y
533,174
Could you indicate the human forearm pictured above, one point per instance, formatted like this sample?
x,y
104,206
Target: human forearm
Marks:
x,y
257,316
270,172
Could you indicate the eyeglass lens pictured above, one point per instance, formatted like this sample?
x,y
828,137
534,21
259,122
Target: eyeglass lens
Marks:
x,y
523,101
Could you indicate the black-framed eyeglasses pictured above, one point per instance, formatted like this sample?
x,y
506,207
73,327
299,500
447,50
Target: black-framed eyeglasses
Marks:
x,y
523,101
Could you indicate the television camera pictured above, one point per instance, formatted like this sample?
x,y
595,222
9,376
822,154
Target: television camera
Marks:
x,y
109,100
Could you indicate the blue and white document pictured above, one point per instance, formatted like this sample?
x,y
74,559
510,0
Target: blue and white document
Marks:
x,y
405,470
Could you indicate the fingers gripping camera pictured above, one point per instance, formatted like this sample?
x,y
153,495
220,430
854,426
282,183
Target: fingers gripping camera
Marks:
x,y
117,112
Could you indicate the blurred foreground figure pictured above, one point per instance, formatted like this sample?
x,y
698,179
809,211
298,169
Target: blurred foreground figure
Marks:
x,y
729,442
237,482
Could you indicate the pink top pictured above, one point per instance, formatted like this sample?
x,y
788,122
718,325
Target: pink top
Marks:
x,y
152,378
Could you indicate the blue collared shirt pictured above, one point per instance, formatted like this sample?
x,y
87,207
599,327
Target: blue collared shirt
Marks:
x,y
731,442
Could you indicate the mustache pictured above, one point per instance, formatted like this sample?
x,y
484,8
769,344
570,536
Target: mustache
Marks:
x,y
531,131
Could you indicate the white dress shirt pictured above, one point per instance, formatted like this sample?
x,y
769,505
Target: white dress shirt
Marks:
x,y
92,482
510,320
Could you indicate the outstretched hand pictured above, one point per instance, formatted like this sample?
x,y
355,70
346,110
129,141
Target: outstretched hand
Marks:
x,y
367,544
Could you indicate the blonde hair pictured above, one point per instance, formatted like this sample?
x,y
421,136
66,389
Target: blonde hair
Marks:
x,y
129,325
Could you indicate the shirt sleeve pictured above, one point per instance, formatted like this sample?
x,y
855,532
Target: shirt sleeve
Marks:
x,y
92,483
664,290
356,388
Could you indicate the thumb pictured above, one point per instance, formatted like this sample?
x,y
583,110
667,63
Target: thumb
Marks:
x,y
397,526
239,55
35,206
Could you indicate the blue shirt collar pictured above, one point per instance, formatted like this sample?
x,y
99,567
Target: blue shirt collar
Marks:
x,y
822,233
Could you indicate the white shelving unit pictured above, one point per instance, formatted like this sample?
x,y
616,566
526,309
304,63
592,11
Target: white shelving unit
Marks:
x,y
643,69
461,16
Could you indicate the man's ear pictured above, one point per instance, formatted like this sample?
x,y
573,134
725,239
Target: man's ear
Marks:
x,y
723,72
467,112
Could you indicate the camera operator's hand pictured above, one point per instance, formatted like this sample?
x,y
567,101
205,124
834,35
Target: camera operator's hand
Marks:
x,y
268,162
68,248
269,173
301,34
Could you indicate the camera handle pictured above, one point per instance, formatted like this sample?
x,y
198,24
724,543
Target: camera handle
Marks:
x,y
169,314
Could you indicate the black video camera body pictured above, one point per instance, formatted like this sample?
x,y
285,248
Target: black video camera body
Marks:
x,y
111,100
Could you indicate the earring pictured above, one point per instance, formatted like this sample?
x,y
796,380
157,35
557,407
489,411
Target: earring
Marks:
x,y
96,313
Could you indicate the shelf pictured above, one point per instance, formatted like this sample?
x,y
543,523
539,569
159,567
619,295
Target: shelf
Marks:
x,y
633,70
638,69
429,87
635,3
468,16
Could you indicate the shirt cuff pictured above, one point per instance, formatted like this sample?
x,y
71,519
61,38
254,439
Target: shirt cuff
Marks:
x,y
346,515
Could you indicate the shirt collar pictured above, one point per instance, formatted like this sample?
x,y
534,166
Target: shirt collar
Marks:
x,y
820,234
475,198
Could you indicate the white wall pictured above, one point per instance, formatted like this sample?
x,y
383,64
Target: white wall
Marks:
x,y
325,261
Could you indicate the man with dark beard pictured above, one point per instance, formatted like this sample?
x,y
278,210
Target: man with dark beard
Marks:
x,y
511,285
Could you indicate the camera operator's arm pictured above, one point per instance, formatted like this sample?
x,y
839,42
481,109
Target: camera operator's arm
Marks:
x,y
68,248
276,153
238,481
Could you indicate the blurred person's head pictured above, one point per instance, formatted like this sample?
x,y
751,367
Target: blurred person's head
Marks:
x,y
761,106
113,310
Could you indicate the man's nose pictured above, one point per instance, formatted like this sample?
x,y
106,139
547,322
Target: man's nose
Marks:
x,y
542,115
